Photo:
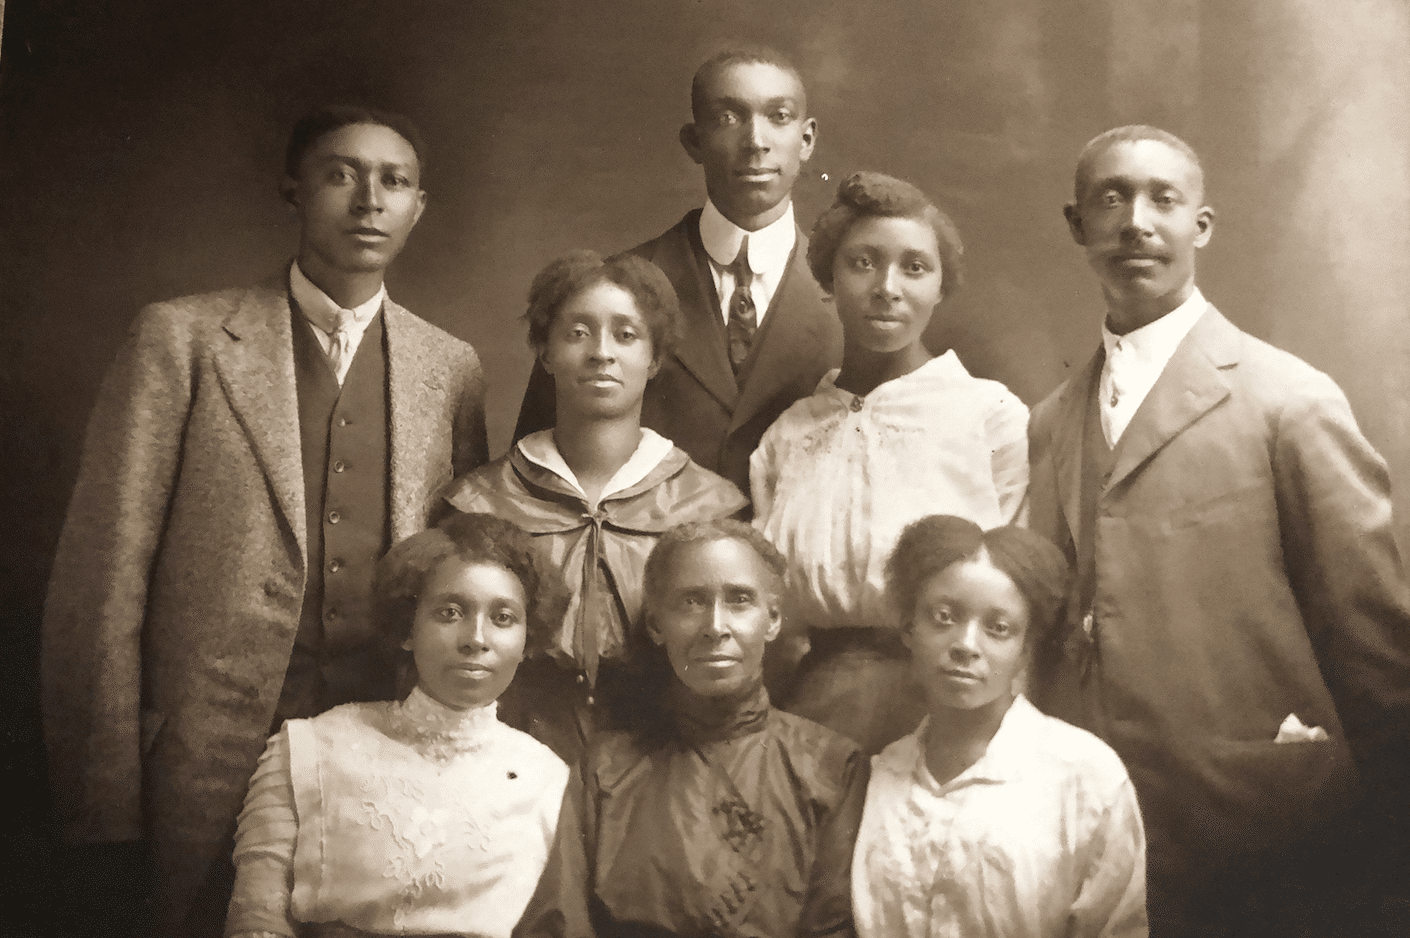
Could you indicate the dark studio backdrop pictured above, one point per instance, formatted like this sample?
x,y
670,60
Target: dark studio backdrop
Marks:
x,y
142,143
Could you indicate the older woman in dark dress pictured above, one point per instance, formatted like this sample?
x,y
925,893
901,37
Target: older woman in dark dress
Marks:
x,y
712,813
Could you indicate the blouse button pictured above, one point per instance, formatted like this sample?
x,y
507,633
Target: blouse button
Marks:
x,y
857,404
334,517
339,466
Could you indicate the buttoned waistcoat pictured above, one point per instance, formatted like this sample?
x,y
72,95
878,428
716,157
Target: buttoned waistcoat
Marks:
x,y
175,593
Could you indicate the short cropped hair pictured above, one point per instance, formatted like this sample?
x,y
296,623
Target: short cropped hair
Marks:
x,y
1130,133
402,574
575,271
658,563
875,195
1034,564
741,55
317,124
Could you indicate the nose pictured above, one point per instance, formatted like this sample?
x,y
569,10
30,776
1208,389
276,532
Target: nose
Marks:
x,y
370,197
1139,221
756,134
888,282
604,347
965,648
717,624
474,633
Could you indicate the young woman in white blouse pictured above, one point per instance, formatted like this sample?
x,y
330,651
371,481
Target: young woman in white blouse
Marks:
x,y
895,434
424,816
991,819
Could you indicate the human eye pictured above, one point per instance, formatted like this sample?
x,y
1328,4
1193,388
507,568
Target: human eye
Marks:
x,y
1166,198
943,616
505,617
450,613
393,181
862,262
999,628
1110,198
340,175
740,597
627,334
917,267
727,118
782,116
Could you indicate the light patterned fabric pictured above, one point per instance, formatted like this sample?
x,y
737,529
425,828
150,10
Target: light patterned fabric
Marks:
x,y
1041,838
395,817
838,476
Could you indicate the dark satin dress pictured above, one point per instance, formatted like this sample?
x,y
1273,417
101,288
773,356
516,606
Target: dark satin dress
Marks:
x,y
739,823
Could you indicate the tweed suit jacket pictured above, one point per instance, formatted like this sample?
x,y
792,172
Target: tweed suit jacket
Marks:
x,y
1245,570
175,593
694,400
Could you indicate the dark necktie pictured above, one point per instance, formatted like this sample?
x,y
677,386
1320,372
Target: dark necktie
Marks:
x,y
743,319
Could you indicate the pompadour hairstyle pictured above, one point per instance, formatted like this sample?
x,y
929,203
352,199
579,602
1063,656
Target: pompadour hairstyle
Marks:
x,y
316,124
872,195
402,574
575,271
1035,565
1130,133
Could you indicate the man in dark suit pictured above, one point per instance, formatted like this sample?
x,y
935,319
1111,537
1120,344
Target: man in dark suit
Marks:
x,y
1239,632
758,332
251,454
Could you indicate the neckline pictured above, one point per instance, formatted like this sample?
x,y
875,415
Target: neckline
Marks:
x,y
438,732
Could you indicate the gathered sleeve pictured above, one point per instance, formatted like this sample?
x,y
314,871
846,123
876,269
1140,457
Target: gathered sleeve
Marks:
x,y
561,904
1111,902
763,476
1007,431
264,849
827,910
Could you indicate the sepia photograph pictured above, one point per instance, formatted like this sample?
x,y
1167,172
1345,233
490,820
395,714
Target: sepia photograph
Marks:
x,y
751,468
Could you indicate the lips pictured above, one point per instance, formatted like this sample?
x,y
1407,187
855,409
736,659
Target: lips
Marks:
x,y
757,173
961,675
365,232
473,668
601,380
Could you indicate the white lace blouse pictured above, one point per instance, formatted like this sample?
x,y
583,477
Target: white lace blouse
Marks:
x,y
395,817
838,476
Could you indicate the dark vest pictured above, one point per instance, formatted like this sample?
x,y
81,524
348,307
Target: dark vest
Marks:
x,y
337,657
1098,460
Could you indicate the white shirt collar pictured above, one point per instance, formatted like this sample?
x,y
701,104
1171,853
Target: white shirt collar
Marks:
x,y
1153,345
1008,752
539,449
319,308
769,247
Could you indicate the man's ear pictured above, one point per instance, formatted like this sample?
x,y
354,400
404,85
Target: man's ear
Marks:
x,y
810,140
690,140
420,206
652,630
541,356
1204,221
289,190
1074,223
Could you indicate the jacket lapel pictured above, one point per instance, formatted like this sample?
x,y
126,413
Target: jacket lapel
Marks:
x,y
701,349
1191,384
1068,439
413,393
790,335
256,368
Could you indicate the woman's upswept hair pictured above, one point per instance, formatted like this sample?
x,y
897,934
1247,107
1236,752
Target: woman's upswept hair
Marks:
x,y
472,538
1034,564
875,195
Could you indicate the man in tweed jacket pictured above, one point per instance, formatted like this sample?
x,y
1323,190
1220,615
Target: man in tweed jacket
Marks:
x,y
250,455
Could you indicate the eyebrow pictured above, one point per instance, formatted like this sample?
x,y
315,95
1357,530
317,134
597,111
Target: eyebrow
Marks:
x,y
739,103
363,164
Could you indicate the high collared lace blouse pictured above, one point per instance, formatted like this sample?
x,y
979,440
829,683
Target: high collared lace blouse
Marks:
x,y
395,817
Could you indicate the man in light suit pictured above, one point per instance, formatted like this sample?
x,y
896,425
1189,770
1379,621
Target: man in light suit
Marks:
x,y
758,334
251,454
1239,630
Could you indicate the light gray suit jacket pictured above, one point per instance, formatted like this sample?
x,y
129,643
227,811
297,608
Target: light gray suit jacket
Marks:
x,y
1245,570
177,585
